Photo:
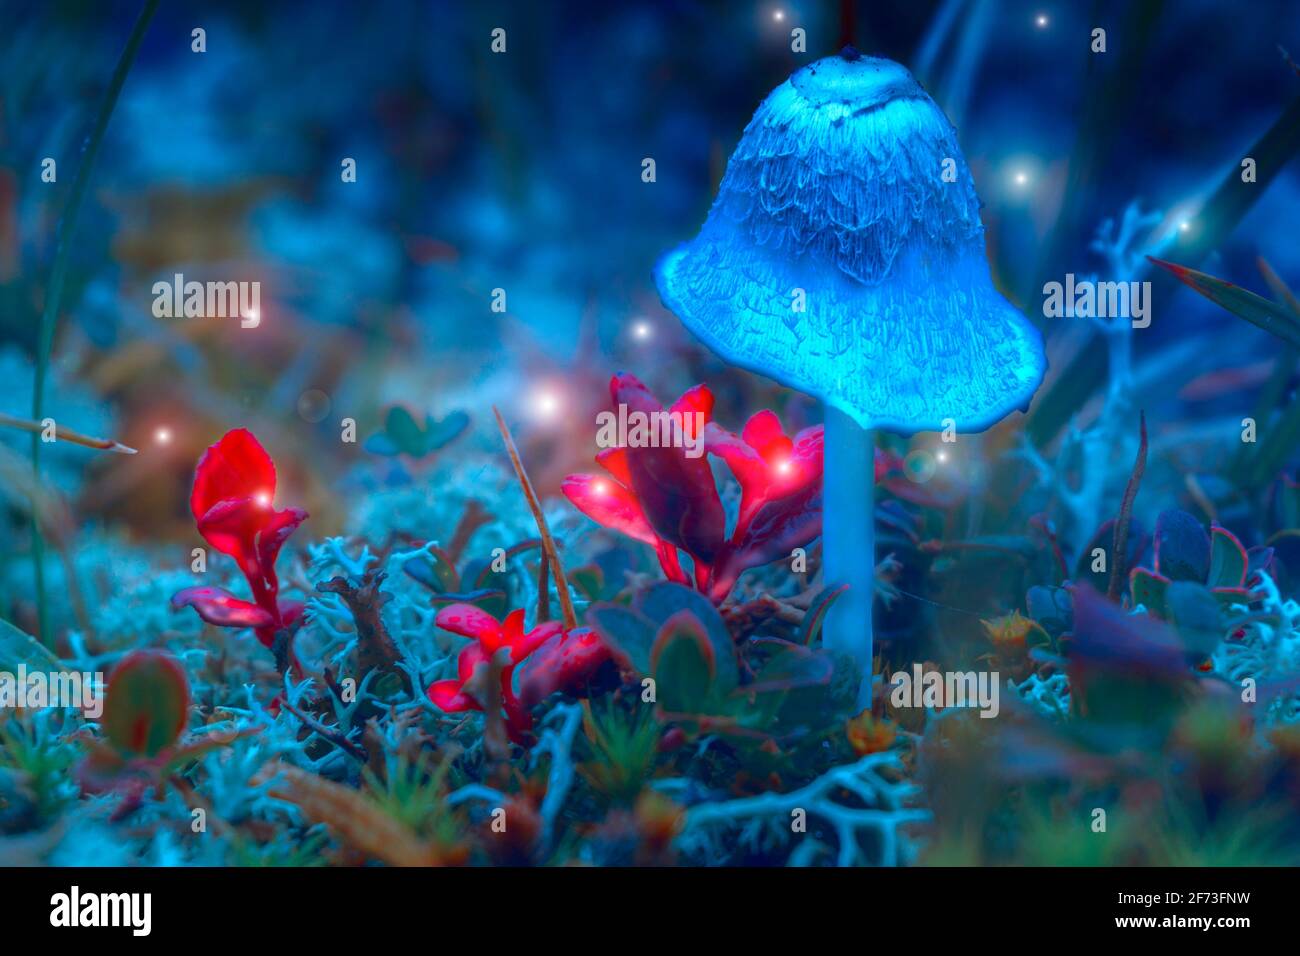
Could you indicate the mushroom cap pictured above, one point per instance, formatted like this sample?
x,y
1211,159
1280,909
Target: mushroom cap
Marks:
x,y
838,188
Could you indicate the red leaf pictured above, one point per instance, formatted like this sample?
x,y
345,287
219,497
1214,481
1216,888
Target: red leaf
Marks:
x,y
677,493
274,533
528,643
447,696
697,399
564,662
767,464
614,461
764,434
235,467
231,526
218,606
609,504
777,528
470,621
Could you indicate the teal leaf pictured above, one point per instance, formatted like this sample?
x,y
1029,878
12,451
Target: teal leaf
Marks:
x,y
1227,560
685,666
1255,309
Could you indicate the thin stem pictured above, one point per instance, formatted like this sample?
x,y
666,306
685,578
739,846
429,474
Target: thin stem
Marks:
x,y
548,543
1119,550
59,272
66,434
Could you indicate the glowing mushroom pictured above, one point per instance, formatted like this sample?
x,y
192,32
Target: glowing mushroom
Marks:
x,y
844,257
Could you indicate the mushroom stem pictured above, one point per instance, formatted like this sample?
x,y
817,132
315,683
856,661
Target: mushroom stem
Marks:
x,y
848,540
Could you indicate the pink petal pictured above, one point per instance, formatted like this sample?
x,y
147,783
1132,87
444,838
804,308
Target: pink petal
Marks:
x,y
763,433
237,466
610,504
564,662
275,532
231,526
535,639
693,400
511,634
470,658
447,696
627,389
614,461
469,621
218,606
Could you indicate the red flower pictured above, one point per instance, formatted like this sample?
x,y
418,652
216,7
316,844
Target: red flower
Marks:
x,y
234,485
490,636
668,499
566,662
612,502
767,464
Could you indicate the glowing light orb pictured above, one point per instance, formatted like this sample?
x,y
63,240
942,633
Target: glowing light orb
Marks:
x,y
1041,20
262,499
163,436
313,405
545,404
919,466
641,330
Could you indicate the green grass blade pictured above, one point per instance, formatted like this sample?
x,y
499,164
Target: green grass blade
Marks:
x,y
59,272
1243,303
1226,207
1251,464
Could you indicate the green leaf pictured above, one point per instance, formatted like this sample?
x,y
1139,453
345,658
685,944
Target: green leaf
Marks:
x,y
441,432
791,689
146,706
1149,589
589,581
629,634
1227,597
789,667
662,601
1195,615
685,666
811,627
1227,560
434,570
18,647
479,573
404,432
1242,303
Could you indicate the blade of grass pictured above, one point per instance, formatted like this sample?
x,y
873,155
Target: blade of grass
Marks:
x,y
59,272
548,543
1270,396
66,434
1231,200
1119,551
1280,288
1243,303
